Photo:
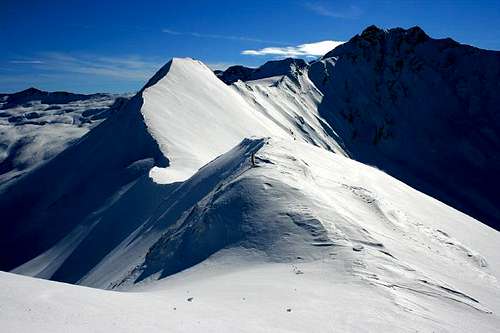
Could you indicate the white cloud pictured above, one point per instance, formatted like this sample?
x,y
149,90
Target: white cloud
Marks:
x,y
303,50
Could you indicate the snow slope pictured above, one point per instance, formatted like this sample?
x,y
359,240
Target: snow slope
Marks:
x,y
306,239
183,118
425,110
73,189
189,105
242,200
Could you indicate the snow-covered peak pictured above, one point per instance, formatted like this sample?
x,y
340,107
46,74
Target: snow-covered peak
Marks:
x,y
195,117
423,109
373,35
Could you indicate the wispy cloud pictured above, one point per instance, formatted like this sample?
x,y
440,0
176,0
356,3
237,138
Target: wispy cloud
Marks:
x,y
123,67
78,72
31,62
323,9
226,37
303,50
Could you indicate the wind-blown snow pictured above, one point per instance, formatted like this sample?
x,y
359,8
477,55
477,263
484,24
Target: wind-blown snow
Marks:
x,y
195,117
195,120
321,241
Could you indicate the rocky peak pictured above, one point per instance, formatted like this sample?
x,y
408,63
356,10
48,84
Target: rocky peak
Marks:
x,y
288,66
376,38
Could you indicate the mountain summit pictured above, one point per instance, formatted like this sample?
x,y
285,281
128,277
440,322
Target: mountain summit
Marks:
x,y
422,109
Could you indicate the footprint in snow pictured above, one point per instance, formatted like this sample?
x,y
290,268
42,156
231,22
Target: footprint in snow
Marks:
x,y
357,247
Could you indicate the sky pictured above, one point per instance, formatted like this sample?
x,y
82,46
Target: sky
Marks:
x,y
116,45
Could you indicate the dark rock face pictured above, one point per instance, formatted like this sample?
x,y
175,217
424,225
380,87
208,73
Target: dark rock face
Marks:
x,y
286,66
45,97
424,110
235,73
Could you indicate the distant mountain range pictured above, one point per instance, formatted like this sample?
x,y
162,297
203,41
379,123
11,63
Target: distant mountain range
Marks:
x,y
37,125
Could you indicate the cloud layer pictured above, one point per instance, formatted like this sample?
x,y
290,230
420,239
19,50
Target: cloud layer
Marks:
x,y
304,50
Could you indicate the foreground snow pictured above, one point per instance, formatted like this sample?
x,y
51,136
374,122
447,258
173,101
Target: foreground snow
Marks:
x,y
340,244
229,295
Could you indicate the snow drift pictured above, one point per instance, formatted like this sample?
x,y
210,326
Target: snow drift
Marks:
x,y
299,239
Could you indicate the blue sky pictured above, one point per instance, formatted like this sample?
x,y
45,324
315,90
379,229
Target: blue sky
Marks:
x,y
114,46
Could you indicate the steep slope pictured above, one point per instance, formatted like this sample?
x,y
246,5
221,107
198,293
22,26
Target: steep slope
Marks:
x,y
189,105
195,118
183,118
44,205
305,238
422,109
290,100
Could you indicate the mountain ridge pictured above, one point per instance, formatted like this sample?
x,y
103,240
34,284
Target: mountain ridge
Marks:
x,y
366,84
197,195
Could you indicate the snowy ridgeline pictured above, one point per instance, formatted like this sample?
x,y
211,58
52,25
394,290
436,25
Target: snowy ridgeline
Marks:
x,y
244,198
302,239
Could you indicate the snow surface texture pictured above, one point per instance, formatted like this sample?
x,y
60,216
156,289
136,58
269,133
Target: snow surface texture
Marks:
x,y
120,152
308,239
424,110
277,231
36,125
210,117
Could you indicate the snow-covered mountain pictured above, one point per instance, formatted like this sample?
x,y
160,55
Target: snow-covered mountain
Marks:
x,y
240,190
424,110
36,125
305,238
